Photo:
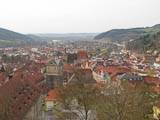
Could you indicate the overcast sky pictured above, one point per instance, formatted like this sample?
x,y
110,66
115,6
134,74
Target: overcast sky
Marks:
x,y
73,16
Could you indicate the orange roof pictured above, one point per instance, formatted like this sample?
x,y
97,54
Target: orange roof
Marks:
x,y
90,63
53,95
155,88
151,80
43,61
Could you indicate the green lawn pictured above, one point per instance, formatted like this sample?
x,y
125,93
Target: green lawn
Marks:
x,y
6,41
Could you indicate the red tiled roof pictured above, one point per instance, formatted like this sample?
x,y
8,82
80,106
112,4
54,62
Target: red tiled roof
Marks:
x,y
90,63
148,79
43,61
53,95
98,67
22,88
67,66
115,70
82,55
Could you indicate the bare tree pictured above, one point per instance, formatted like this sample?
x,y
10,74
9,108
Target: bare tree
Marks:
x,y
126,102
79,100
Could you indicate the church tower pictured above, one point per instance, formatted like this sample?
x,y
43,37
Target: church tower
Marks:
x,y
54,69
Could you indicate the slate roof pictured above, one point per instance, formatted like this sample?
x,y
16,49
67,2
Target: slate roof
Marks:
x,y
130,77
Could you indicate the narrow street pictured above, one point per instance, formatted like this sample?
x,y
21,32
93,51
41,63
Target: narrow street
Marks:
x,y
36,112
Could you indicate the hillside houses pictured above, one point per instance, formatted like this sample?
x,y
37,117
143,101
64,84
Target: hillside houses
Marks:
x,y
47,69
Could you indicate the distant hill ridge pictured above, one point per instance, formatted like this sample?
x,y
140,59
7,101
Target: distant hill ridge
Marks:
x,y
10,38
120,35
11,35
64,36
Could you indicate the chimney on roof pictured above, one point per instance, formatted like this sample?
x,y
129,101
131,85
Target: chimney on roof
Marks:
x,y
10,76
22,76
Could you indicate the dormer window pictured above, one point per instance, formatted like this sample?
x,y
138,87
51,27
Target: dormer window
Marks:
x,y
28,98
24,103
20,108
23,89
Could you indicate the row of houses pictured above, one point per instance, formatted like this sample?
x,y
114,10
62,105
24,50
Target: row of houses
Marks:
x,y
21,91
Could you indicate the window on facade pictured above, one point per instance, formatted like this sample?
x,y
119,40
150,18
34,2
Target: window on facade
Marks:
x,y
15,97
24,103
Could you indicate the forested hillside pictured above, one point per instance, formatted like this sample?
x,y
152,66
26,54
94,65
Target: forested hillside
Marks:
x,y
120,35
150,42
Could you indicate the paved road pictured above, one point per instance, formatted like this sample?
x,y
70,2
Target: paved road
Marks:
x,y
47,116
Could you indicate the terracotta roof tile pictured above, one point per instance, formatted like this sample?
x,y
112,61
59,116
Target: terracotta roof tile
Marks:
x,y
115,70
53,95
82,55
24,87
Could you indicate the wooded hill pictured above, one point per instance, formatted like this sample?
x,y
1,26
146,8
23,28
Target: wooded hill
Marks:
x,y
120,35
10,35
10,38
150,42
